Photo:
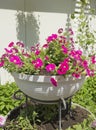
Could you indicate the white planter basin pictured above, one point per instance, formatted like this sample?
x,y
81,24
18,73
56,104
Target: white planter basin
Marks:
x,y
40,87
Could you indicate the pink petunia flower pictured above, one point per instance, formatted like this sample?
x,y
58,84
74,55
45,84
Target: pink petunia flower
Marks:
x,y
64,67
76,75
60,30
76,54
45,46
1,63
93,59
46,58
64,49
71,31
37,52
11,44
50,67
32,48
4,56
85,63
15,59
52,37
14,50
53,81
2,120
8,51
90,72
38,63
20,44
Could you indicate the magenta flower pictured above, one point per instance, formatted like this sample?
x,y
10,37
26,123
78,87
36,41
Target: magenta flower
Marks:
x,y
1,63
4,56
71,31
11,44
46,58
50,67
20,44
32,48
37,52
93,59
90,72
45,46
76,54
64,67
76,75
53,81
38,63
14,50
15,59
2,120
8,51
85,64
60,30
64,49
52,37
26,55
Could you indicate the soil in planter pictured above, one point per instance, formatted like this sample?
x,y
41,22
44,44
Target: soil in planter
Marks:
x,y
78,115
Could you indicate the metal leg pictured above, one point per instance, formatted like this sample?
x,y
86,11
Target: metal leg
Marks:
x,y
26,105
60,114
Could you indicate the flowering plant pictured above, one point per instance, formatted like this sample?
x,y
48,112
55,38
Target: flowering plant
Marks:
x,y
57,56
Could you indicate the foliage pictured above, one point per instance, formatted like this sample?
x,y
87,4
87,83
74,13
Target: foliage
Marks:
x,y
85,35
22,121
32,117
7,102
87,95
85,125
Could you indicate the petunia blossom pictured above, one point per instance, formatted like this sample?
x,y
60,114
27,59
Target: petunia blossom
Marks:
x,y
76,54
11,44
85,64
38,63
93,59
64,67
64,49
2,120
53,81
52,37
15,59
47,58
1,63
76,75
37,52
90,72
14,50
45,46
50,67
20,44
60,30
8,51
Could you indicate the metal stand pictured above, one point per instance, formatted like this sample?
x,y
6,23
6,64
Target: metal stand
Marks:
x,y
60,102
60,109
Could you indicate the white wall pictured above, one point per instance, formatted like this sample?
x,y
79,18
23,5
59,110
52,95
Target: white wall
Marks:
x,y
8,31
31,21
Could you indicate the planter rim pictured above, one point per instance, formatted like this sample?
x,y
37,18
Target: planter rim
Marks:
x,y
44,78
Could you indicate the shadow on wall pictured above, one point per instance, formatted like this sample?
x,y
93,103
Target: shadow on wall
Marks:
x,y
26,25
29,21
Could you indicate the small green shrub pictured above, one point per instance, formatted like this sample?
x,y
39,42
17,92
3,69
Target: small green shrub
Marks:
x,y
7,102
85,125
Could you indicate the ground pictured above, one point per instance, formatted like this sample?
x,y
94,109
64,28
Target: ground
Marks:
x,y
78,115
